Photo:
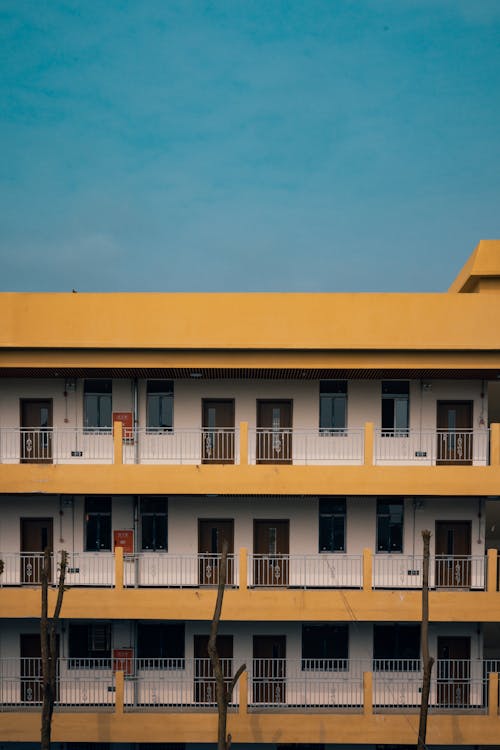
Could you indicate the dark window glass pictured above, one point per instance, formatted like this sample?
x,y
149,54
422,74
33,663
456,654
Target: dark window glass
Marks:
x,y
395,408
97,404
325,647
396,647
332,513
160,405
97,523
390,525
332,405
154,523
89,640
161,641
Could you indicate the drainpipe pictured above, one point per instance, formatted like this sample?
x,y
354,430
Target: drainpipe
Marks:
x,y
135,387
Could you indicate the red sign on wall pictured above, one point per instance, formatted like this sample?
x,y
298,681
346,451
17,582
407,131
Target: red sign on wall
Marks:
x,y
122,660
125,417
124,538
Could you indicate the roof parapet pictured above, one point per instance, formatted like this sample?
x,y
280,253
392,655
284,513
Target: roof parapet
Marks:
x,y
481,273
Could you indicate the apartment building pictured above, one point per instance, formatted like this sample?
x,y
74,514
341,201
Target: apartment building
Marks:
x,y
318,434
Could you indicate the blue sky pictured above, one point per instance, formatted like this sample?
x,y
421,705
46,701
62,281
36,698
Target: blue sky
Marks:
x,y
320,145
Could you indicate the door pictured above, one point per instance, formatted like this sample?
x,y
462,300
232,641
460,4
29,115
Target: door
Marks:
x,y
31,667
269,668
453,671
274,432
204,680
217,431
36,431
453,548
36,536
454,426
211,535
271,552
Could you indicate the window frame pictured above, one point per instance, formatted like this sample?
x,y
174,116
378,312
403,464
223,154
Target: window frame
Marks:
x,y
171,663
98,515
394,631
333,515
397,392
333,390
383,515
154,515
89,627
321,636
100,395
168,393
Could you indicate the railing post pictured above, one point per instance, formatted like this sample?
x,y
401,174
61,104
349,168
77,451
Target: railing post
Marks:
x,y
367,570
243,443
243,577
118,567
492,569
369,443
119,691
117,443
368,693
243,685
495,445
493,694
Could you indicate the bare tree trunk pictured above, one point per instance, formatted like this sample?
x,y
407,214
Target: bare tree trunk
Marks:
x,y
427,660
223,693
48,645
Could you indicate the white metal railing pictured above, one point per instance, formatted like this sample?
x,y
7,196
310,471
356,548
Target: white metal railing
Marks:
x,y
306,447
83,683
394,571
176,571
182,446
305,571
164,683
306,683
431,447
61,445
83,568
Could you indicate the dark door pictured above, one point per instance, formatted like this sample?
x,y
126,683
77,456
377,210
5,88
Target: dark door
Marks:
x,y
453,671
36,431
36,536
453,548
31,667
454,424
211,535
269,668
218,431
274,432
271,552
204,681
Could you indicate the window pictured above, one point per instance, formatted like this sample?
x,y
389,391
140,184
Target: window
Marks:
x,y
395,408
389,525
89,640
332,512
160,405
396,647
325,647
161,641
97,404
97,523
154,523
332,405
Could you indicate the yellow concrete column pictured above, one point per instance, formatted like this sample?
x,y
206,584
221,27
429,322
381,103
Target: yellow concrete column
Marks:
x,y
492,570
369,443
367,569
367,693
243,686
493,694
495,444
243,568
118,567
243,443
119,691
118,442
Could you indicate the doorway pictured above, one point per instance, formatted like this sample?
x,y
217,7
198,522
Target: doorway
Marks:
x,y
36,536
36,431
217,431
31,668
211,536
269,655
274,432
271,544
204,680
453,671
454,439
453,549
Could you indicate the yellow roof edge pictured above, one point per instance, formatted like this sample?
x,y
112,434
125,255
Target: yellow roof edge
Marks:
x,y
484,262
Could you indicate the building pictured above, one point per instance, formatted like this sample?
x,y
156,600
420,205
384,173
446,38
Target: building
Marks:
x,y
319,434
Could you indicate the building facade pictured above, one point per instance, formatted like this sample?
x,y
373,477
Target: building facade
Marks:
x,y
319,435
